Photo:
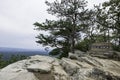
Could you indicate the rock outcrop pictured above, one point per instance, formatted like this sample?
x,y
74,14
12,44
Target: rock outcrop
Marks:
x,y
49,68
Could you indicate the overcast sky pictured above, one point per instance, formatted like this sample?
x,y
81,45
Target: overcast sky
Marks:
x,y
17,18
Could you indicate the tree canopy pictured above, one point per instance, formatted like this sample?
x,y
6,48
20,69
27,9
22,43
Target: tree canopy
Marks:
x,y
75,24
108,18
72,21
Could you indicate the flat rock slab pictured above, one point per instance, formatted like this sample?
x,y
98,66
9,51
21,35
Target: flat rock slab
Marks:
x,y
42,59
41,67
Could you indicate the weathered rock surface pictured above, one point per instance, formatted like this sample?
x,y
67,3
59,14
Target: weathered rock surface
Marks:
x,y
76,54
48,68
40,67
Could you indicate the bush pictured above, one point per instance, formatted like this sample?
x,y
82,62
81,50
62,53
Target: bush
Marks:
x,y
116,47
59,52
83,45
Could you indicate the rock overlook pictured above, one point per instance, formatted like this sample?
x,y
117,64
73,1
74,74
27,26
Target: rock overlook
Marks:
x,y
48,68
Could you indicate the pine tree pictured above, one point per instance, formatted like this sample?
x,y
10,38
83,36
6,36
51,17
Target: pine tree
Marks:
x,y
66,30
108,21
113,13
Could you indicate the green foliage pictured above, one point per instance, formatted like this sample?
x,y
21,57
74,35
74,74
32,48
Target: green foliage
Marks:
x,y
116,47
108,17
84,45
15,58
59,52
12,59
1,61
72,20
101,24
55,52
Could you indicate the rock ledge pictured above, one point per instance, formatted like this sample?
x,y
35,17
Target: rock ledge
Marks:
x,y
48,68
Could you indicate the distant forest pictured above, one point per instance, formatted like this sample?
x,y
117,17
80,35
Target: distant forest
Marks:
x,y
12,59
11,55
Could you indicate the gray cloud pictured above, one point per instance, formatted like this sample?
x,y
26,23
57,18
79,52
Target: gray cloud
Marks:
x,y
17,18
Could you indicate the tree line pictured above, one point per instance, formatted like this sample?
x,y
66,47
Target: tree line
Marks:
x,y
78,26
12,59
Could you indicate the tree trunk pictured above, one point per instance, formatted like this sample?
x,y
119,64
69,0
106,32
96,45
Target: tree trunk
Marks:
x,y
73,40
73,45
108,36
119,37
